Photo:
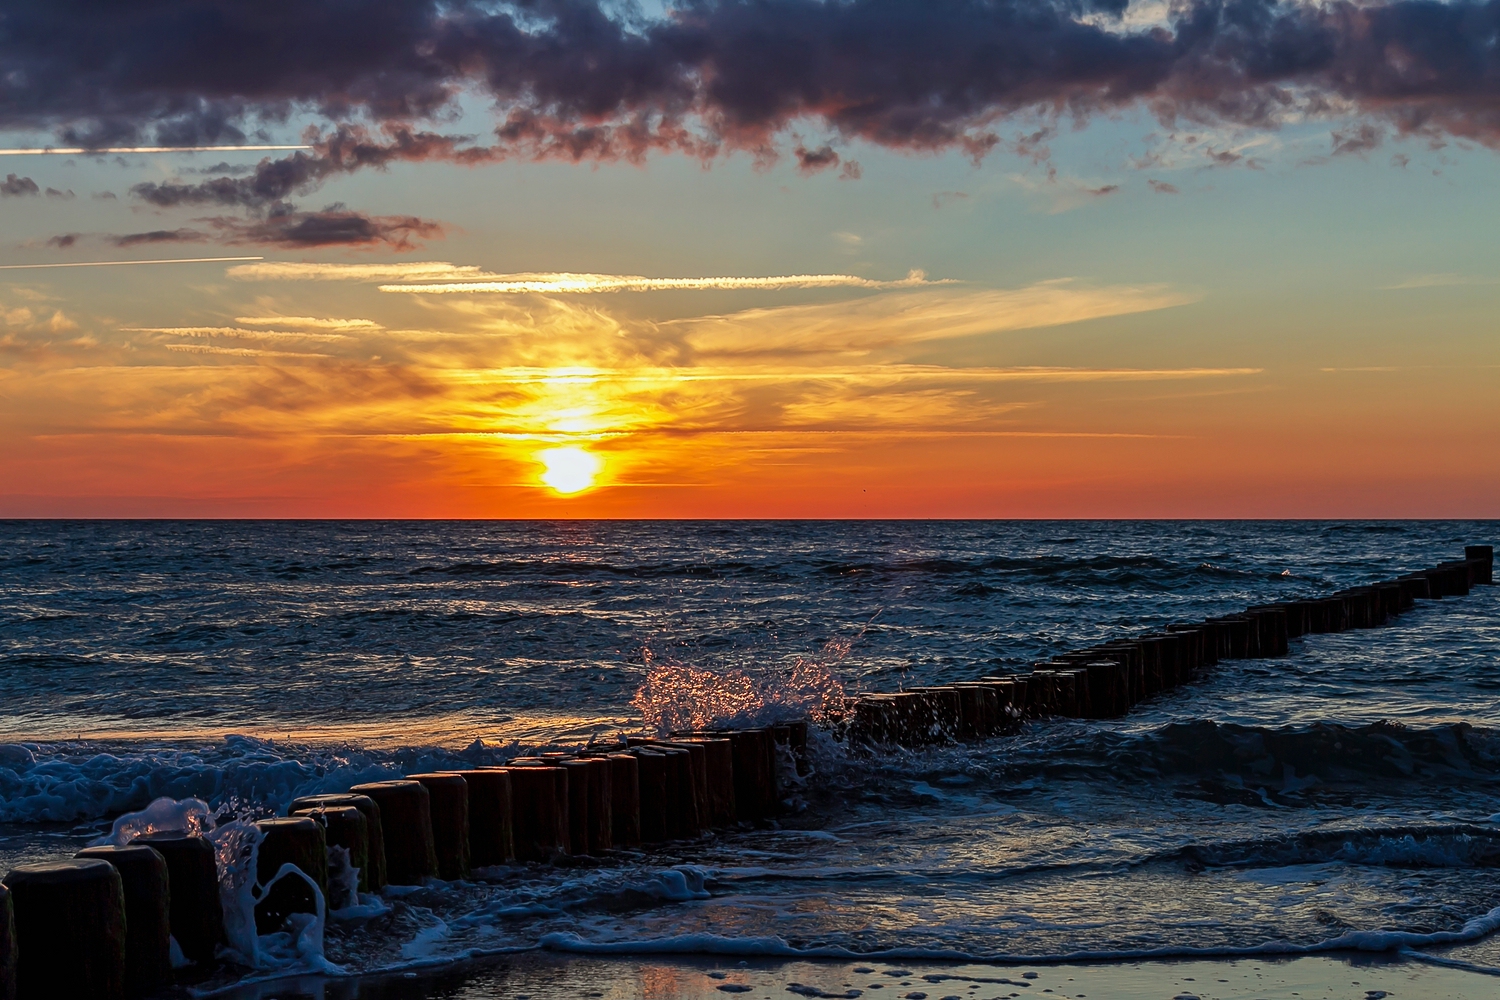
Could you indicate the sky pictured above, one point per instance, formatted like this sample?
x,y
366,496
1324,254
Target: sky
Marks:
x,y
786,258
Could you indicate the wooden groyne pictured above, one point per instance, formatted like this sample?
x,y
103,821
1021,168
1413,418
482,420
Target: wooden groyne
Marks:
x,y
1106,680
98,925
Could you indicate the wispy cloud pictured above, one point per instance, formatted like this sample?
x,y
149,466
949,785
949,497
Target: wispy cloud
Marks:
x,y
309,322
1437,281
567,283
890,320
236,332
124,263
277,270
238,352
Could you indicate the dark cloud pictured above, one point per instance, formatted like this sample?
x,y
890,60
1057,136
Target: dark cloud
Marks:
x,y
344,150
160,236
55,193
333,226
1107,189
63,241
18,187
1162,187
578,80
811,161
571,80
1357,139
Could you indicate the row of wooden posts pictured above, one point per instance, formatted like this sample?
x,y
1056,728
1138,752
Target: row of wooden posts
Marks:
x,y
99,925
1104,681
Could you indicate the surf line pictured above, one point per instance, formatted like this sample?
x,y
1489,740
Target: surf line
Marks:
x,y
69,916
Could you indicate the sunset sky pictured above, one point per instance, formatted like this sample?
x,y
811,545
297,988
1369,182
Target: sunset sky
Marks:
x,y
1005,259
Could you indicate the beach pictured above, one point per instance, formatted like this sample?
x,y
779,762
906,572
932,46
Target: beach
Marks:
x,y
550,977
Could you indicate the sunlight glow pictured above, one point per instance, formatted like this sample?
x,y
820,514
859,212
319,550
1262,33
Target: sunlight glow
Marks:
x,y
569,470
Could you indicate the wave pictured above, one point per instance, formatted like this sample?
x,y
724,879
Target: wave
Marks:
x,y
1456,846
1231,762
71,782
1211,761
1472,929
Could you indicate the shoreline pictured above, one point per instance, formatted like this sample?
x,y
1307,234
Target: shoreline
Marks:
x,y
542,975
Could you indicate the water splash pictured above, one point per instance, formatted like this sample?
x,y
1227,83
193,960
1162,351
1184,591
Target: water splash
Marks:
x,y
236,849
679,696
190,817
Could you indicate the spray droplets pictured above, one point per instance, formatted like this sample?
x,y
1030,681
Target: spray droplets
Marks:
x,y
678,696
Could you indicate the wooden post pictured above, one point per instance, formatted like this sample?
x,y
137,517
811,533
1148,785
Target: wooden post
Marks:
x,y
625,799
683,788
344,827
1484,555
539,825
658,808
372,877
491,841
448,799
148,920
406,823
698,776
601,806
580,777
296,841
193,880
7,946
70,930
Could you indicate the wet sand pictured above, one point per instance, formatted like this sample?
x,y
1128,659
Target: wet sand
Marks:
x,y
545,976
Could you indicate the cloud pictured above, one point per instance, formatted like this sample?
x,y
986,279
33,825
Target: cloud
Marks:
x,y
18,187
63,240
63,195
892,320
309,322
238,352
1438,281
574,80
585,284
1162,187
811,161
333,226
160,236
304,271
344,150
1357,139
237,333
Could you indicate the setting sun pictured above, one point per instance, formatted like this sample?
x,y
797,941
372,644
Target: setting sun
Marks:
x,y
569,470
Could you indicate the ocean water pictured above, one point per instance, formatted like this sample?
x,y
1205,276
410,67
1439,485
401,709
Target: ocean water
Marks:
x,y
1346,796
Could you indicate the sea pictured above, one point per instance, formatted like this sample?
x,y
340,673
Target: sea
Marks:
x,y
1345,797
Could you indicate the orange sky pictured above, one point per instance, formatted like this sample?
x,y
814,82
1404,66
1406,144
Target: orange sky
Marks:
x,y
843,403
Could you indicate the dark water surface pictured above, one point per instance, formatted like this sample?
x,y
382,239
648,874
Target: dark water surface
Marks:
x,y
1347,795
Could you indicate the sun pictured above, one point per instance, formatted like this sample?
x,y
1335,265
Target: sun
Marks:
x,y
569,470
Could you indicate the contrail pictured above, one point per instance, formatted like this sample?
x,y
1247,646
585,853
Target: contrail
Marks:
x,y
83,151
118,263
